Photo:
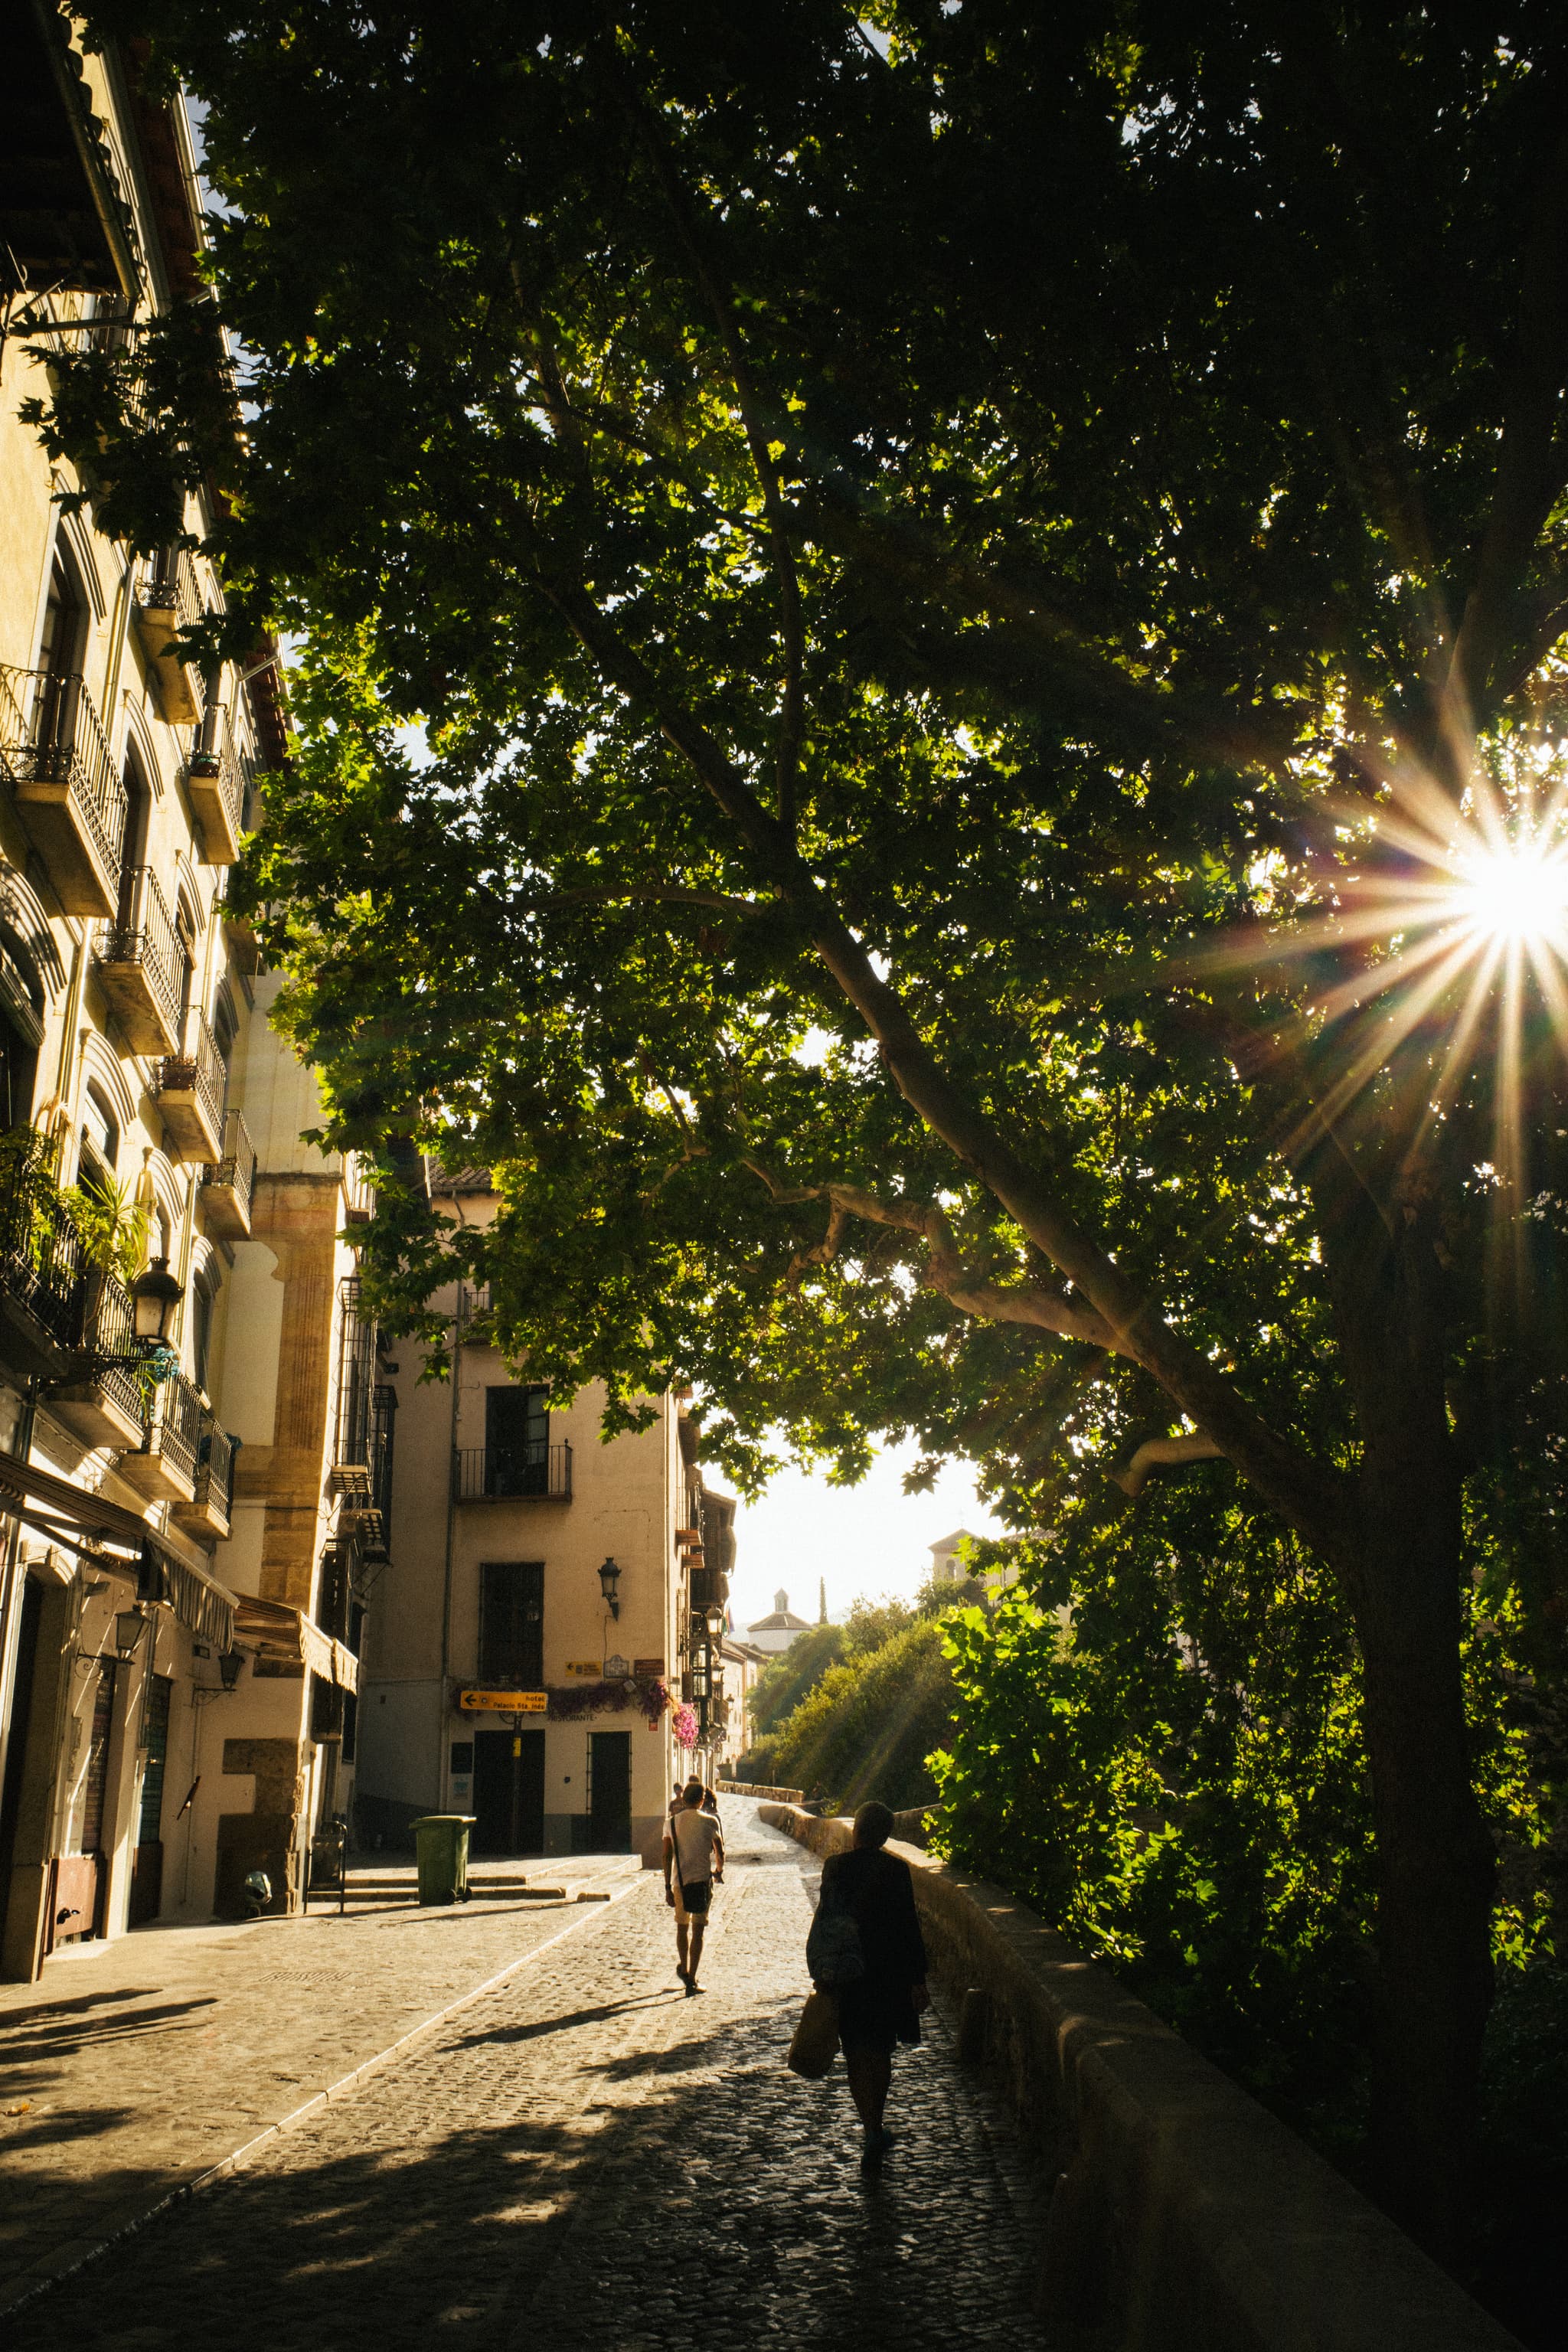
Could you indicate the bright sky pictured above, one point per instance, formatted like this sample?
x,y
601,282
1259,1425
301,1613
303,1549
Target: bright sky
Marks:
x,y
871,1539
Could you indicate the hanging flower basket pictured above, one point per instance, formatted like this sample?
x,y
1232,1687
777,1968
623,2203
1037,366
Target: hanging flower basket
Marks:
x,y
570,1702
685,1726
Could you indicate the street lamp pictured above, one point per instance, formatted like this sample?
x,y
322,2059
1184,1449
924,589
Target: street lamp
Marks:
x,y
154,1295
127,1634
609,1583
715,1621
230,1666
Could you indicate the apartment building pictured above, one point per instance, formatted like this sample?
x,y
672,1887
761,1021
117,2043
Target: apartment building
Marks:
x,y
545,1650
189,1442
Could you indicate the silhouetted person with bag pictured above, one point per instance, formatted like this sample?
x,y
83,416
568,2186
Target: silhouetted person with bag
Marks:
x,y
880,2005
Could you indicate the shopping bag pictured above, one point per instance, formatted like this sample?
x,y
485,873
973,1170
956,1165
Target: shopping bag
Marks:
x,y
815,2044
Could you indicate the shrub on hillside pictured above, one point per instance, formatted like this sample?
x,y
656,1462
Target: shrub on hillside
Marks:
x,y
867,1727
792,1677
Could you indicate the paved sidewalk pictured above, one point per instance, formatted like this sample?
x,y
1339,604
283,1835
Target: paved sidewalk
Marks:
x,y
133,2066
585,2158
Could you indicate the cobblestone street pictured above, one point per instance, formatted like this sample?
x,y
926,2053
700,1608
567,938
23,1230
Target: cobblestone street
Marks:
x,y
584,2157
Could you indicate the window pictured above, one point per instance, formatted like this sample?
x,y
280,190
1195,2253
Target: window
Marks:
x,y
203,1305
512,1625
21,1030
100,1139
516,1442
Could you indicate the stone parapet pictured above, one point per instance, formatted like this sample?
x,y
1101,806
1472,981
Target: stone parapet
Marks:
x,y
1185,2215
753,1788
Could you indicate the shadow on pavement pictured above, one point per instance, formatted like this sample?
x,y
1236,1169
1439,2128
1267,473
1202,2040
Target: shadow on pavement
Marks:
x,y
736,2196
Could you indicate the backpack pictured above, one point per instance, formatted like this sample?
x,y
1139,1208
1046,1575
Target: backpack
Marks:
x,y
833,1955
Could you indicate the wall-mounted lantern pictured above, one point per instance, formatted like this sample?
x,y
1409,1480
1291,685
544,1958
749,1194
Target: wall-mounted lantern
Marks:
x,y
609,1585
230,1666
127,1634
154,1295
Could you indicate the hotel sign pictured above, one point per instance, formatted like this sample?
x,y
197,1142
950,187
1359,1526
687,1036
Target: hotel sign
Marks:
x,y
503,1702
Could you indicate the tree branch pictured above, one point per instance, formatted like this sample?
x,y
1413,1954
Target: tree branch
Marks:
x,y
1046,1310
1163,1454
1309,1494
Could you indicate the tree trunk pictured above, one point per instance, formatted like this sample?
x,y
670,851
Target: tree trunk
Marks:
x,y
1435,1864
1405,1570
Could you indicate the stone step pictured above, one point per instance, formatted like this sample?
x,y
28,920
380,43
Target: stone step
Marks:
x,y
389,1890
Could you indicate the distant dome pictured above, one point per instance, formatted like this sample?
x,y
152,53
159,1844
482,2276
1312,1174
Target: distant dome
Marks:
x,y
776,1632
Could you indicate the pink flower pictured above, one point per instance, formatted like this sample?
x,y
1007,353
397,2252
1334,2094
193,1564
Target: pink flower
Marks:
x,y
685,1726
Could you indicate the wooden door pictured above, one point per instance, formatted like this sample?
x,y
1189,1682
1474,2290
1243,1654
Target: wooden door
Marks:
x,y
610,1793
508,1793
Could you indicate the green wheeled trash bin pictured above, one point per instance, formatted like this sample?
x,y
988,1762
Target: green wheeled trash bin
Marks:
x,y
441,1845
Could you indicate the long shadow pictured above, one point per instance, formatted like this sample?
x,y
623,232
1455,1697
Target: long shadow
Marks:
x,y
26,2011
729,2206
540,2026
57,2039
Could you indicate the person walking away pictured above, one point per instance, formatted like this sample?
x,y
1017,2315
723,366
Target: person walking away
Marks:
x,y
693,1848
710,1805
882,2007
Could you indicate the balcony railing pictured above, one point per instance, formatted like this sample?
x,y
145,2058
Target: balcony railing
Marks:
x,y
215,778
356,1380
176,1427
42,1266
199,1071
54,738
215,1473
145,941
170,586
168,601
483,1473
383,1430
227,1186
111,1331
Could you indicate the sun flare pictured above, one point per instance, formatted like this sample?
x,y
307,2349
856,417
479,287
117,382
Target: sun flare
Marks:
x,y
1517,891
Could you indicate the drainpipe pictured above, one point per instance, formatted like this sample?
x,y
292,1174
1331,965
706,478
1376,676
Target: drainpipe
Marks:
x,y
451,1521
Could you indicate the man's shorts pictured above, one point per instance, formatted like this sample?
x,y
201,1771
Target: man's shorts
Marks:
x,y
692,1898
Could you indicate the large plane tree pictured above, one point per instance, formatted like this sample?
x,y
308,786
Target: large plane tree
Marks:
x,y
933,716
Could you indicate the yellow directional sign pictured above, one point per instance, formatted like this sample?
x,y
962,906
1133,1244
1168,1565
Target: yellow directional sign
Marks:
x,y
503,1702
588,1669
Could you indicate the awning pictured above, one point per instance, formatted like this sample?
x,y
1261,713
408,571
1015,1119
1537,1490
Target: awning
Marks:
x,y
104,1533
288,1636
195,1600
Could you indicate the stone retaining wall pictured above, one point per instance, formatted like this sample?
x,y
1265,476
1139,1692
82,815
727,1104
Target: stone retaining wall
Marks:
x,y
1185,2218
755,1788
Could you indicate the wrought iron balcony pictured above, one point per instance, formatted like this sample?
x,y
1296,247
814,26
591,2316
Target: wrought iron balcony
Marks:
x,y
356,1383
166,1465
226,1186
57,756
210,1510
107,1404
43,1273
141,962
167,600
188,1089
512,1473
214,779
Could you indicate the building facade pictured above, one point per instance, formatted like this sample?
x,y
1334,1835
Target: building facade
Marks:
x,y
186,1540
544,1651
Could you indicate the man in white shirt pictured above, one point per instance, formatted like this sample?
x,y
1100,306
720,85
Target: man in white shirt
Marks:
x,y
693,1846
